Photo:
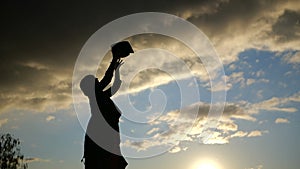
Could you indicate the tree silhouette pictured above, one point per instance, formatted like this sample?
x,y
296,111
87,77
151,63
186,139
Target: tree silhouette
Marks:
x,y
10,153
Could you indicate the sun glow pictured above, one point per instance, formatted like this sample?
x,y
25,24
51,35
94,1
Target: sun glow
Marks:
x,y
206,164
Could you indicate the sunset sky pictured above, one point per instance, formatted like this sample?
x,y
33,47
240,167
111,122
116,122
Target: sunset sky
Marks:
x,y
257,41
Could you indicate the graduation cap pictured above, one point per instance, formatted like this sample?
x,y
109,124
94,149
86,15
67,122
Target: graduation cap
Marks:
x,y
121,49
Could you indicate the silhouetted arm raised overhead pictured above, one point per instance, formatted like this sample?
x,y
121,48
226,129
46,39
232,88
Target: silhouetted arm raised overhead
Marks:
x,y
117,81
108,75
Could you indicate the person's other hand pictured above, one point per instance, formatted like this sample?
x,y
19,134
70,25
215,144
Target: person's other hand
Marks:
x,y
118,64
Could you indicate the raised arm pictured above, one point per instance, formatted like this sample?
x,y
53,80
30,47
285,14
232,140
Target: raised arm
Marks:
x,y
117,81
108,74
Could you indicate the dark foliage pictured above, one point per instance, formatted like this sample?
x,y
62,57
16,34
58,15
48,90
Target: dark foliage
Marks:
x,y
10,154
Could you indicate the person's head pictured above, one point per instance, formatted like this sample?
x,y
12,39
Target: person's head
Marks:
x,y
121,49
87,85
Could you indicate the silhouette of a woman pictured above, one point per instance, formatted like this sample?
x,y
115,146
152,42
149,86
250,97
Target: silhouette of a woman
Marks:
x,y
95,156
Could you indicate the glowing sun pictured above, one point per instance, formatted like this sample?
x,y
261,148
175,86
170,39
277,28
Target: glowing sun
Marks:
x,y
207,165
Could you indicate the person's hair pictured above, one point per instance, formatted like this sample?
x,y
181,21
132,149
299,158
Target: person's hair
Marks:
x,y
87,85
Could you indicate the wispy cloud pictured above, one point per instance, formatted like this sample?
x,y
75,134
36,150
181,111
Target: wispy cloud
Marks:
x,y
182,126
34,65
35,159
3,121
277,104
50,118
282,120
153,130
292,57
257,167
239,134
256,133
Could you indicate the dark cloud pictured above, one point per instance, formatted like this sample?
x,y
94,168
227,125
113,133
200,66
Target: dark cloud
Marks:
x,y
287,27
40,40
233,16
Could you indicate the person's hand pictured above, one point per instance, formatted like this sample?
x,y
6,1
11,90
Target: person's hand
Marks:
x,y
118,64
